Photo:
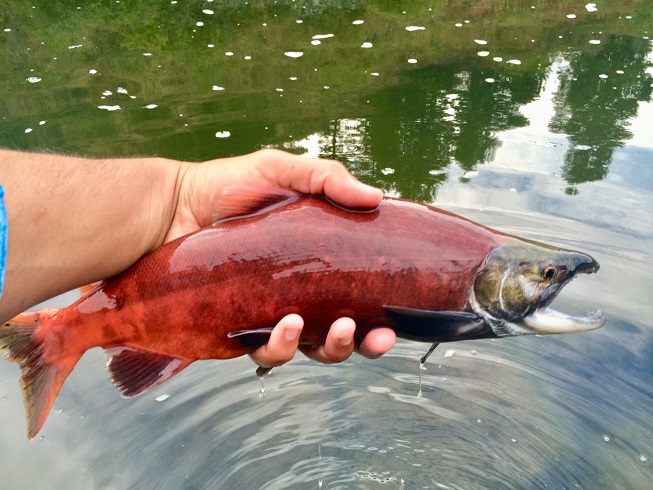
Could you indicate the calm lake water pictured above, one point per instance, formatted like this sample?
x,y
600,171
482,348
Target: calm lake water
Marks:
x,y
530,117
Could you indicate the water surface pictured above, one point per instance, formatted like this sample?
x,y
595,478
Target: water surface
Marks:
x,y
530,117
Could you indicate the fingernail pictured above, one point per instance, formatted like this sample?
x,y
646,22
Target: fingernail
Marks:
x,y
346,340
292,334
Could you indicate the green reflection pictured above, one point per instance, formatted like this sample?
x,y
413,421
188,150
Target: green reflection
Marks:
x,y
397,124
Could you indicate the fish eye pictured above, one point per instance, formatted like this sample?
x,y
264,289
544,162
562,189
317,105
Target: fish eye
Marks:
x,y
549,272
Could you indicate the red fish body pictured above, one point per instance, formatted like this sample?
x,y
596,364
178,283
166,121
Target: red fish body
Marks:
x,y
216,293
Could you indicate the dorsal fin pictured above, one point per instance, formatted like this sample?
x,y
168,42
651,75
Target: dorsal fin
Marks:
x,y
136,371
247,200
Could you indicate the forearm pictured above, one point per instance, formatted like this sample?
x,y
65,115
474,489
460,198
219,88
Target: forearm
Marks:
x,y
72,221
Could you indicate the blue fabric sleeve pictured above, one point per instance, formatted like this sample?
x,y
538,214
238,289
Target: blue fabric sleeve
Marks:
x,y
3,237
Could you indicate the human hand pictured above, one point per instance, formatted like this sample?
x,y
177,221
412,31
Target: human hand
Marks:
x,y
201,187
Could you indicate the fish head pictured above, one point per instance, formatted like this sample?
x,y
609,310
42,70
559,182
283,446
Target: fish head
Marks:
x,y
517,283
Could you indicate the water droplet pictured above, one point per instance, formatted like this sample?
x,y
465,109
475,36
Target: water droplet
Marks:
x,y
162,398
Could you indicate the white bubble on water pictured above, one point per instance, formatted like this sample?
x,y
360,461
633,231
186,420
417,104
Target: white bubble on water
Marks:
x,y
28,130
497,58
415,28
606,438
248,57
620,72
358,22
366,45
7,30
147,54
218,88
41,123
480,41
591,7
483,53
387,171
412,60
571,16
107,93
514,62
199,24
603,75
294,54
642,458
374,74
222,134
210,45
207,12
92,71
162,398
490,80
229,53
458,24
109,107
322,36
449,352
595,41
151,106
315,42
33,79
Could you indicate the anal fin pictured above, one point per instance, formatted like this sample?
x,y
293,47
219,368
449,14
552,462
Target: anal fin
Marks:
x,y
135,371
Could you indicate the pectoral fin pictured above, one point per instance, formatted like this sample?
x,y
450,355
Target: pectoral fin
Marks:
x,y
437,326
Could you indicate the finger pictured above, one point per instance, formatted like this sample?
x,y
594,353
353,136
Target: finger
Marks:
x,y
316,176
283,342
339,343
377,342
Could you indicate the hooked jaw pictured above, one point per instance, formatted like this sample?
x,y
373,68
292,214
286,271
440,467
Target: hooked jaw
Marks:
x,y
530,287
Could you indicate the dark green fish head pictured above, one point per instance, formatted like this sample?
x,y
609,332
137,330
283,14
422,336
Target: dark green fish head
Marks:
x,y
517,283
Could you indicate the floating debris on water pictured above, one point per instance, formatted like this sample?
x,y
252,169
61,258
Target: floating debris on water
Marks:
x,y
294,54
147,54
218,88
603,75
151,106
415,28
358,22
75,46
33,79
483,53
207,12
322,36
497,58
514,62
29,130
366,45
591,7
480,41
595,41
106,93
387,171
412,60
222,134
449,353
92,71
109,107
490,80
199,24
228,53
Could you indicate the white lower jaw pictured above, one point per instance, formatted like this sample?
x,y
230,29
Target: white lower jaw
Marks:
x,y
548,321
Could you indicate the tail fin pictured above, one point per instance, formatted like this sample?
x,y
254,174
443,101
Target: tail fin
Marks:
x,y
40,381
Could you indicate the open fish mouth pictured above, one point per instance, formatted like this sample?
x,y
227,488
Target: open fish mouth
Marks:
x,y
548,321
